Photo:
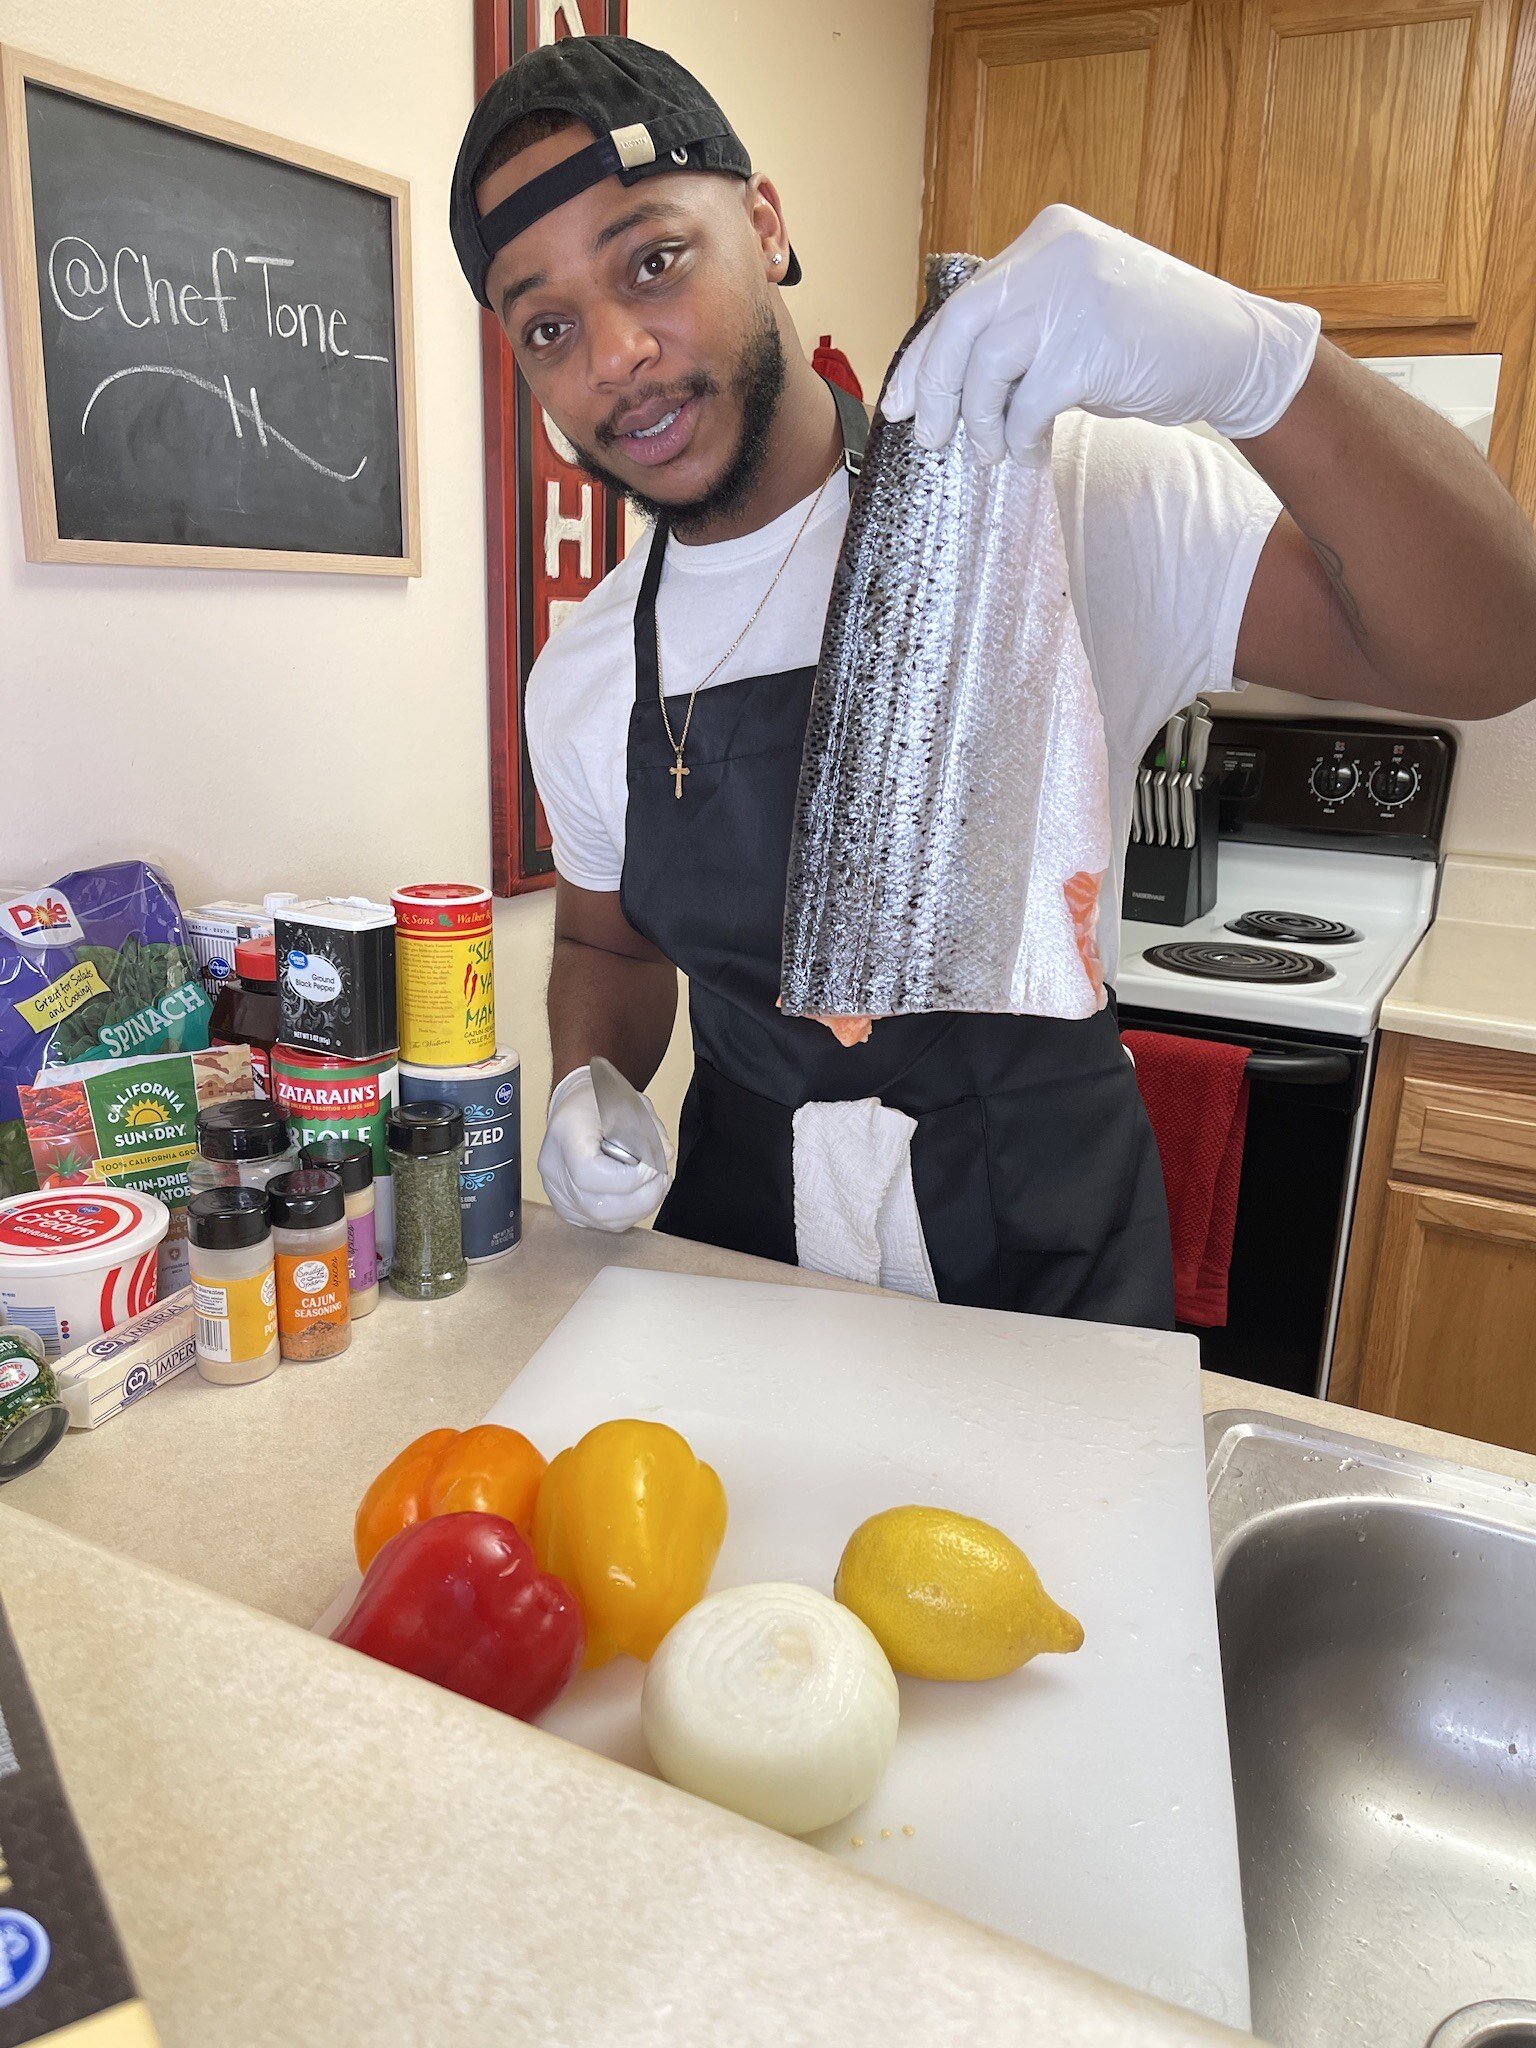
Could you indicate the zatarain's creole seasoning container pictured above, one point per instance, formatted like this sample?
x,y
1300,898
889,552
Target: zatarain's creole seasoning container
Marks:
x,y
447,998
336,978
323,1097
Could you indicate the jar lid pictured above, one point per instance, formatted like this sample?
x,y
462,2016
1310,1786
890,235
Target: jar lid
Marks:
x,y
242,1130
420,1129
228,1219
348,1158
256,959
306,1200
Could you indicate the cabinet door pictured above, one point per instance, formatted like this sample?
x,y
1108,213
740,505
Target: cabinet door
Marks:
x,y
1031,104
1452,1341
1365,146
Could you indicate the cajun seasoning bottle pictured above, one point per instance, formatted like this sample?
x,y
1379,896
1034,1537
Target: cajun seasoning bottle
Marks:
x,y
309,1238
352,1161
234,1290
426,1149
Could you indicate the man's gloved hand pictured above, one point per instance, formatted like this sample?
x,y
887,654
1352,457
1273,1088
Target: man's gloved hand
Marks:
x,y
1076,313
583,1184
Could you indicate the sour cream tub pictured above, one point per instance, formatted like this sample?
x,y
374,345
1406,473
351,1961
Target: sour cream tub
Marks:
x,y
77,1261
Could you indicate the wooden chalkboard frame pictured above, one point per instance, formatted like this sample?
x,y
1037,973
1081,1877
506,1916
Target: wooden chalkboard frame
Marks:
x,y
18,255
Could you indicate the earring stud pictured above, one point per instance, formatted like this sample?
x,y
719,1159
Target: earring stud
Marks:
x,y
778,259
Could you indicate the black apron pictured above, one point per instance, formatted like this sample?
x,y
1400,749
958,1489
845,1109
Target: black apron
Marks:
x,y
1034,1167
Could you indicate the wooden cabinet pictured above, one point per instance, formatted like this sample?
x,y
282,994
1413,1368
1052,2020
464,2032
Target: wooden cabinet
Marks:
x,y
1376,158
1365,145
1033,104
1438,1322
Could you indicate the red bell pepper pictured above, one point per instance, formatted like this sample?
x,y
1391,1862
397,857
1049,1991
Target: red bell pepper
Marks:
x,y
459,1600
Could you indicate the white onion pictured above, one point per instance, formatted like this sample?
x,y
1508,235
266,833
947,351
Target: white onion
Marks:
x,y
774,1701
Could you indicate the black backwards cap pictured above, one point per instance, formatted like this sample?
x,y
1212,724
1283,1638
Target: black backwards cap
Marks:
x,y
648,114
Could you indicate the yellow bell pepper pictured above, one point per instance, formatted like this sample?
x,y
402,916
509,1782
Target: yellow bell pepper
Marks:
x,y
632,1522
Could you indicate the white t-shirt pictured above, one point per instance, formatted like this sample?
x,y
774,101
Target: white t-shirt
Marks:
x,y
1162,527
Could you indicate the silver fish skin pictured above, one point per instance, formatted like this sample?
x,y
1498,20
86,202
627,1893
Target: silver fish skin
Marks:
x,y
952,821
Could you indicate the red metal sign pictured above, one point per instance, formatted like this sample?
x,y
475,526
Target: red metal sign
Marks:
x,y
551,532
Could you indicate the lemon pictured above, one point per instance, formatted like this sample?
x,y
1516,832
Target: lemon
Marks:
x,y
946,1596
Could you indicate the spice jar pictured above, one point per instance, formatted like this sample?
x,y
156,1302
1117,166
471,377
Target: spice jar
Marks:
x,y
309,1240
245,1009
234,1288
426,1146
352,1163
240,1145
32,1417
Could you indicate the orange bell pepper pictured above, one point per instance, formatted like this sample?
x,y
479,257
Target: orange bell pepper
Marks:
x,y
632,1522
486,1470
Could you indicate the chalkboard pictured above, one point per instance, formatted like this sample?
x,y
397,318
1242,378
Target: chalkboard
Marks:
x,y
217,367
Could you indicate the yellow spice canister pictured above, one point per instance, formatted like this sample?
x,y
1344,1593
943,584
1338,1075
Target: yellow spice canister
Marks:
x,y
443,974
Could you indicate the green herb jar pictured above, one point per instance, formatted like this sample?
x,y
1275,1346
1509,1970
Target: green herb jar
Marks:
x,y
32,1417
426,1149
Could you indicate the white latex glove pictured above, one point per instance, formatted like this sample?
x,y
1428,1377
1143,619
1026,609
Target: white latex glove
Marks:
x,y
1076,313
583,1184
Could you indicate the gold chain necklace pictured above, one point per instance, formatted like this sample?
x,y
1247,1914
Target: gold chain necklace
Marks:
x,y
677,741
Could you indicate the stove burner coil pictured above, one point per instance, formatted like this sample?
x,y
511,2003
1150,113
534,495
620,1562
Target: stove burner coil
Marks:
x,y
1296,926
1210,960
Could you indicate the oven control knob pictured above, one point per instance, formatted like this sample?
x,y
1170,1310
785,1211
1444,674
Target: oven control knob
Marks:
x,y
1334,779
1393,782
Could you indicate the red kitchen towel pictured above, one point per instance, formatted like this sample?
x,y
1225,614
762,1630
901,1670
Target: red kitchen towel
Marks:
x,y
1196,1093
831,363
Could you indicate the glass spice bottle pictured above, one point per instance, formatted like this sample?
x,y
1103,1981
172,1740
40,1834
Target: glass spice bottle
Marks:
x,y
309,1239
426,1149
240,1144
234,1291
352,1161
245,1009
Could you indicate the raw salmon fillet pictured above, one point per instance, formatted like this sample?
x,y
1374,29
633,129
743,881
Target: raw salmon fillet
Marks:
x,y
952,824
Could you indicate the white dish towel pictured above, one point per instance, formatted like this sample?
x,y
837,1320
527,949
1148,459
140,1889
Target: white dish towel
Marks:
x,y
855,1211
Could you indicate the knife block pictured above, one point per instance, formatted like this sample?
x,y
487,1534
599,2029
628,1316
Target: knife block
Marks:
x,y
1174,884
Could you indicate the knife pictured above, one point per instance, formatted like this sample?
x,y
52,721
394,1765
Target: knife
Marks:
x,y
628,1130
1199,745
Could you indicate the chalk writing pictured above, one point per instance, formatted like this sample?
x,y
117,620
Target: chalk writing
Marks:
x,y
265,430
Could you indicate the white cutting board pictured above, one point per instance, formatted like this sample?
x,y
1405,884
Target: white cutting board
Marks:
x,y
1083,1804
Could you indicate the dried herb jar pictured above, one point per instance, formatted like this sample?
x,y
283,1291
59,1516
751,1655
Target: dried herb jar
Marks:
x,y
426,1150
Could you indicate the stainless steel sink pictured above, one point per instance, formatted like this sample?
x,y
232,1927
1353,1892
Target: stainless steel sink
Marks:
x,y
1378,1640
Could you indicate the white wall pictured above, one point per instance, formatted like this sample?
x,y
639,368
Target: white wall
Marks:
x,y
327,734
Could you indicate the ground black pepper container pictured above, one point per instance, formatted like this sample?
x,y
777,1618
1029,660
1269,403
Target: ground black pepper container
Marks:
x,y
426,1149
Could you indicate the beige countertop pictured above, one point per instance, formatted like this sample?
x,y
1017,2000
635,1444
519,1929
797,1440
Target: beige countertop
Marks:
x,y
307,1848
1473,979
303,1849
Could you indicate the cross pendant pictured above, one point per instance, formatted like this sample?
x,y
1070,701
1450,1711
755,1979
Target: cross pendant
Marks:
x,y
677,771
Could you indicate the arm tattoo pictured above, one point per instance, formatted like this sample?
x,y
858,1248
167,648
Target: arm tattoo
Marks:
x,y
1333,569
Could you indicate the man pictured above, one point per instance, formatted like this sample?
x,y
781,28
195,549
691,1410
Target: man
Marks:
x,y
605,211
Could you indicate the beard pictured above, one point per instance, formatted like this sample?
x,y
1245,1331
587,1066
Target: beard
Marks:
x,y
756,382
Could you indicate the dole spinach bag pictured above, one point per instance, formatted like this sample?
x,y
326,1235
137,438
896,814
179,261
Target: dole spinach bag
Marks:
x,y
95,966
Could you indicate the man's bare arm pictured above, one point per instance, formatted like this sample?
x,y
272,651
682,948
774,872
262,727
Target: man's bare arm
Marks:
x,y
1401,572
610,991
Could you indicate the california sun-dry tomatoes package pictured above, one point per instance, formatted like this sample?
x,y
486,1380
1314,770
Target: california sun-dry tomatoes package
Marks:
x,y
133,1123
